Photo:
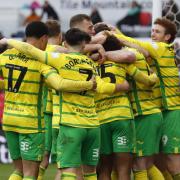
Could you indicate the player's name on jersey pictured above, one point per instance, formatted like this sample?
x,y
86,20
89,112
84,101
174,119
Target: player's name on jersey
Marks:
x,y
13,108
20,56
74,61
107,103
79,110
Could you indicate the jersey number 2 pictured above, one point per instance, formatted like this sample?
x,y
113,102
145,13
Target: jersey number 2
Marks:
x,y
17,85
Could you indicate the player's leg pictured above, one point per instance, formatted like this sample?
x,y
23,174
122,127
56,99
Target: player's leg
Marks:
x,y
105,167
55,132
148,135
32,149
171,142
106,150
79,173
160,163
48,144
173,160
58,174
69,145
123,165
123,139
90,153
13,146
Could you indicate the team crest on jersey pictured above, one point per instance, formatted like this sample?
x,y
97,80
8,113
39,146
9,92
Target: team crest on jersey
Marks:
x,y
154,45
55,55
170,48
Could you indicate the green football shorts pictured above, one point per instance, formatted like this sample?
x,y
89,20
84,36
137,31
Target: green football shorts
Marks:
x,y
77,146
148,134
171,132
55,133
117,137
25,146
48,132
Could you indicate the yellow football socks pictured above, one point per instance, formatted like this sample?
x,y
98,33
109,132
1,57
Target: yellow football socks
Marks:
x,y
140,175
92,176
16,175
68,176
154,173
167,175
176,177
113,175
41,173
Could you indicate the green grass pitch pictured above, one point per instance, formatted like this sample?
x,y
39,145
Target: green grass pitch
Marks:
x,y
7,169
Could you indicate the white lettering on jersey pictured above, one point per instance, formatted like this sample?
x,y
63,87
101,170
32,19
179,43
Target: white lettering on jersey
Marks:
x,y
122,140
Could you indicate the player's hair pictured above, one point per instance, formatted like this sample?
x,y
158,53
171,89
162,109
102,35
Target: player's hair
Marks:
x,y
78,19
75,36
54,28
36,29
170,27
111,43
98,27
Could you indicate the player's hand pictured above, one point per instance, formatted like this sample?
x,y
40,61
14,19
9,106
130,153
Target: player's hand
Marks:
x,y
100,37
102,54
3,41
108,33
122,87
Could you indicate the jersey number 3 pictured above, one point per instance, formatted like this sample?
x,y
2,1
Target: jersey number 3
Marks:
x,y
20,78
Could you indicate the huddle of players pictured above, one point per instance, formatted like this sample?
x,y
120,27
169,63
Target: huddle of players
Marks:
x,y
76,134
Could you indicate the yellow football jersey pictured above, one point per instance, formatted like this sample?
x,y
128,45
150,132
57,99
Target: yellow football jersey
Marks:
x,y
141,96
167,71
53,98
157,97
47,100
116,106
23,111
47,93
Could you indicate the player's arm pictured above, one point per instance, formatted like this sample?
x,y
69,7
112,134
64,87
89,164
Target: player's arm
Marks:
x,y
42,56
152,48
58,83
99,38
110,88
141,77
26,49
121,56
137,47
90,48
